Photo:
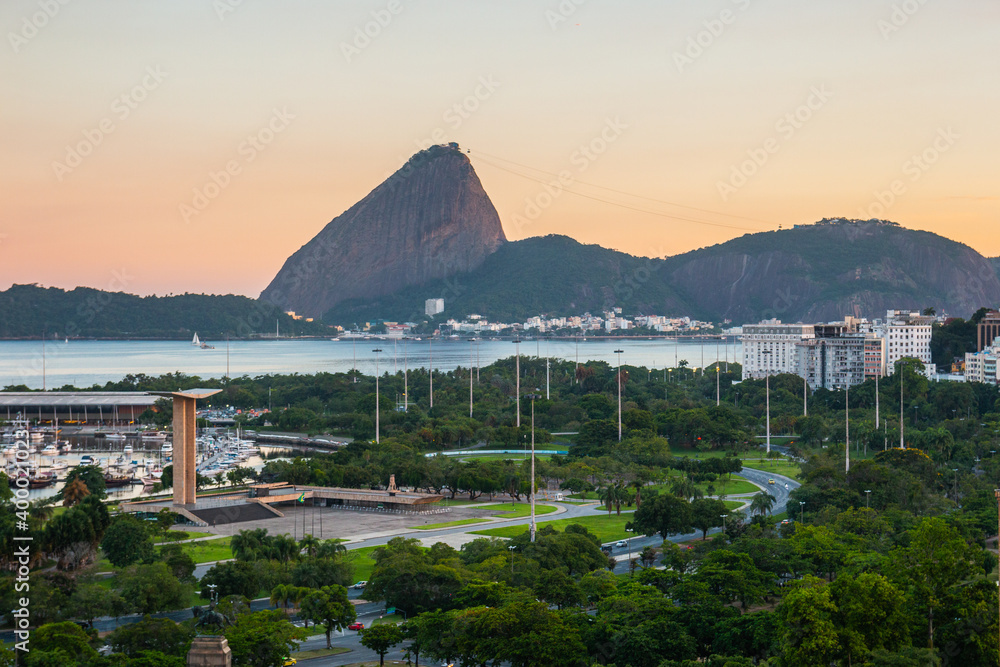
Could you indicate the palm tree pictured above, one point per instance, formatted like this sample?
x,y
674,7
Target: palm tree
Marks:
x,y
331,549
249,545
284,548
309,545
607,496
762,503
281,595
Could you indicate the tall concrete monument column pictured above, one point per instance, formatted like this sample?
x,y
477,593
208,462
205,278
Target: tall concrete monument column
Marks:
x,y
185,454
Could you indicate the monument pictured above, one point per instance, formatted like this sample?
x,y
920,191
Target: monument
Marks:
x,y
185,454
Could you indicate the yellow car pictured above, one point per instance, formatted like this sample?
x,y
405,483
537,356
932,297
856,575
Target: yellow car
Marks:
x,y
770,481
289,662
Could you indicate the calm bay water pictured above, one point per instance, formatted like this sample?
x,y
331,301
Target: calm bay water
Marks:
x,y
85,363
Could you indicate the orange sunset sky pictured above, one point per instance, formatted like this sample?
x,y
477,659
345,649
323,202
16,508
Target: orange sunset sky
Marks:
x,y
698,120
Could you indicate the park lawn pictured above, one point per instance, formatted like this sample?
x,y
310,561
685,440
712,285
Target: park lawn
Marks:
x,y
319,653
519,510
778,466
394,620
607,528
190,536
362,561
451,524
539,456
733,504
207,551
734,487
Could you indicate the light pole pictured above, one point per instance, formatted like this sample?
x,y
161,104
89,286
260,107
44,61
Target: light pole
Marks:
x,y
767,395
511,550
847,426
955,470
406,377
802,511
867,496
531,528
619,353
430,364
901,445
717,370
876,401
805,392
517,381
723,516
470,378
376,351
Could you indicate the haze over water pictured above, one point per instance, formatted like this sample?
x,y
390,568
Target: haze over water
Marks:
x,y
86,363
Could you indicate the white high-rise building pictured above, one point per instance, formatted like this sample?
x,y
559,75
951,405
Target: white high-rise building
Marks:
x,y
771,347
906,334
982,366
433,306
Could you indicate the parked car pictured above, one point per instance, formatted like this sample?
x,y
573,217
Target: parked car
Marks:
x,y
621,543
356,626
360,585
288,662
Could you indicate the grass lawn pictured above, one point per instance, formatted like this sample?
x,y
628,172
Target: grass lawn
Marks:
x,y
363,562
190,536
507,510
777,466
607,528
732,488
450,524
319,653
394,619
208,551
734,504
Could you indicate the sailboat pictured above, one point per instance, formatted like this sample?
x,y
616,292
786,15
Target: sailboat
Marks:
x,y
195,341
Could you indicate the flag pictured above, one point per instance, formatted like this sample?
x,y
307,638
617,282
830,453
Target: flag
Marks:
x,y
302,497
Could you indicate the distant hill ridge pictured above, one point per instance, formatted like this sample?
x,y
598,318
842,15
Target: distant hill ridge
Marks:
x,y
28,310
813,272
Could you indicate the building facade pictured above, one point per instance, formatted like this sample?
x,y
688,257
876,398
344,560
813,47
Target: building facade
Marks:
x,y
982,366
771,347
906,335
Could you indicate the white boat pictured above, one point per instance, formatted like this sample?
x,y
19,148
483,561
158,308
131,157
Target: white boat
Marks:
x,y
127,451
154,435
59,465
50,450
86,460
167,448
195,341
115,436
65,448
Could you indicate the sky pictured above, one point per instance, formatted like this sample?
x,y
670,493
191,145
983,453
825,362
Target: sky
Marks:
x,y
193,145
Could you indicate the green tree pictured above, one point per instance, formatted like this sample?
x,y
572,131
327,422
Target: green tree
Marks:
x,y
381,638
152,588
329,607
707,513
262,639
809,635
127,541
662,515
91,476
151,634
65,641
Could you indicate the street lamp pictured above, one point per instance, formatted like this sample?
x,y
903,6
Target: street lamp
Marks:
x,y
767,394
723,516
471,350
511,549
955,470
531,528
212,594
802,511
717,370
628,543
517,382
867,496
376,351
619,353
430,363
847,425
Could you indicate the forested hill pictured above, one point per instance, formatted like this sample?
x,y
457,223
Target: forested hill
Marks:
x,y
28,310
551,274
817,272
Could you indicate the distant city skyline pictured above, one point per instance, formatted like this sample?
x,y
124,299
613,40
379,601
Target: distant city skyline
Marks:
x,y
193,146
